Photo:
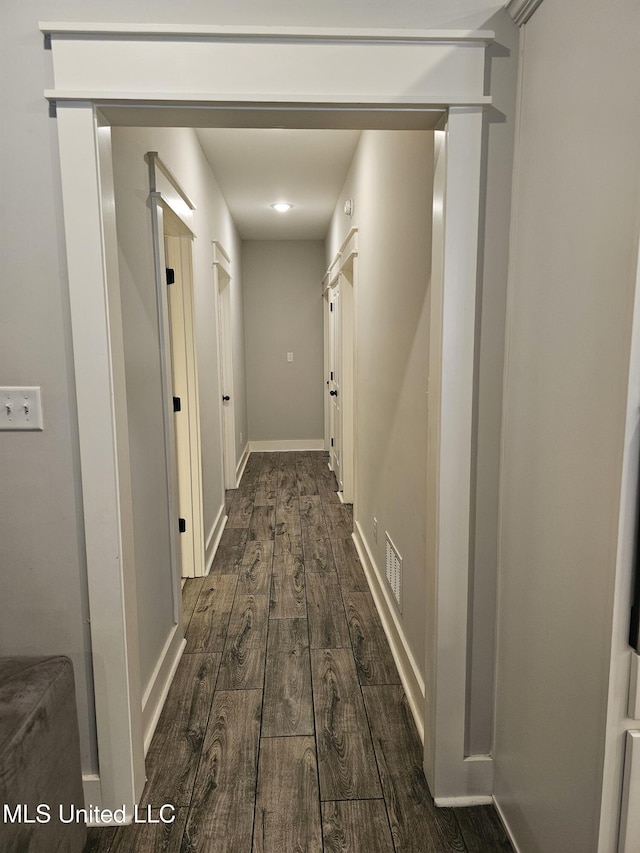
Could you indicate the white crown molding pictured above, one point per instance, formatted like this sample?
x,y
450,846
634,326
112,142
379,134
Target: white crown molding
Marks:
x,y
182,31
522,10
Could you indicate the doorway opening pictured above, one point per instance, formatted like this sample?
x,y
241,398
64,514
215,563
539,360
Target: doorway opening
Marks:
x,y
132,76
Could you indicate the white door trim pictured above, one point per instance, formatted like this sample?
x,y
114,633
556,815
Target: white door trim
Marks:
x,y
130,68
343,273
172,215
157,229
453,777
222,285
96,321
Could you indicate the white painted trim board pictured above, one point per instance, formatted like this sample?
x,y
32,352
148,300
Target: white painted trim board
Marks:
x,y
410,676
156,692
242,464
263,32
286,444
507,828
92,790
215,536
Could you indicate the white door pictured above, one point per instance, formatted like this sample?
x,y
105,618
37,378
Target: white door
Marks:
x,y
180,382
335,376
184,382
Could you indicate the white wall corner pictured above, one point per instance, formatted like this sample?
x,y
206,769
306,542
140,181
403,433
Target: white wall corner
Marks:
x,y
522,10
412,681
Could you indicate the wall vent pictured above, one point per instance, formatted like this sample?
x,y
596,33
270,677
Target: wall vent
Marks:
x,y
394,570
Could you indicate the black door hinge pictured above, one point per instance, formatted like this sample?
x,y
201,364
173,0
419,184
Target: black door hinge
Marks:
x,y
182,525
331,442
177,404
331,306
332,375
171,275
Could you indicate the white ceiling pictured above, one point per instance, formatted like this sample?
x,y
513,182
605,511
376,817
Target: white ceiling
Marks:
x,y
256,167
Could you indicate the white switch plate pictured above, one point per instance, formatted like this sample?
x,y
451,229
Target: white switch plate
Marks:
x,y
289,356
20,408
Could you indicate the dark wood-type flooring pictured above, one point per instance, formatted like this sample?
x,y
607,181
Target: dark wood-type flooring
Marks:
x,y
286,729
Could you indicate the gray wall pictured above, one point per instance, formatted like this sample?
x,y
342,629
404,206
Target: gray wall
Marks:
x,y
393,347
570,298
390,182
144,402
283,313
180,151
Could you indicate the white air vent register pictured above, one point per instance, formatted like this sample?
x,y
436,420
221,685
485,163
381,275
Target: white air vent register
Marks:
x,y
394,569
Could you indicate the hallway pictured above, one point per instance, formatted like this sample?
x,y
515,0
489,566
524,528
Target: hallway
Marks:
x,y
286,727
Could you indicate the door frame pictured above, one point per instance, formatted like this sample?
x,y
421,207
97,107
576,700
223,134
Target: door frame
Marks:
x,y
344,271
189,456
172,217
114,73
335,379
222,285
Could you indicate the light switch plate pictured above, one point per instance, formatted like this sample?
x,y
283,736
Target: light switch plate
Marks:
x,y
289,356
20,409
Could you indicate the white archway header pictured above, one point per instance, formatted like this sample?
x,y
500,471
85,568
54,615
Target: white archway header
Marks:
x,y
111,63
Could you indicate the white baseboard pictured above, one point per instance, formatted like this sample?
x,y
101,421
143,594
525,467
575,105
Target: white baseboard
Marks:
x,y
505,824
215,528
160,682
293,444
462,802
213,539
412,681
242,464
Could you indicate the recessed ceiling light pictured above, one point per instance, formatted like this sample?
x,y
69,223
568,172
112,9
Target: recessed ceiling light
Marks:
x,y
282,206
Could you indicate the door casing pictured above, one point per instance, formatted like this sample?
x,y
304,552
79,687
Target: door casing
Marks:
x,y
113,74
222,284
343,275
335,383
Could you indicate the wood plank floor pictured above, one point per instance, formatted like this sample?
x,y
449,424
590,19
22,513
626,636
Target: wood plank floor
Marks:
x,y
286,729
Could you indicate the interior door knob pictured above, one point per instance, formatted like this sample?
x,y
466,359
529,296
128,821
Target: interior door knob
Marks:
x,y
226,398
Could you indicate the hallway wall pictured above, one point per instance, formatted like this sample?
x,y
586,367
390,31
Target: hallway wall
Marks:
x,y
180,150
390,182
499,124
283,313
571,286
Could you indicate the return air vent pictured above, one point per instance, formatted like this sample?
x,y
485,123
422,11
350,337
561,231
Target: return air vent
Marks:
x,y
394,570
